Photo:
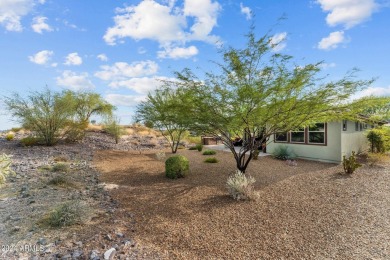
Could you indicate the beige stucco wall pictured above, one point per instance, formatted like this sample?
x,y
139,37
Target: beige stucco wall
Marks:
x,y
329,153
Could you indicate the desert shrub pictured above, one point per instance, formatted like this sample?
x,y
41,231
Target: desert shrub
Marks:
x,y
193,148
5,167
60,167
16,129
283,153
176,167
10,137
60,158
379,139
241,187
160,156
211,160
66,214
255,154
209,152
199,147
193,139
59,180
350,164
375,159
113,128
29,141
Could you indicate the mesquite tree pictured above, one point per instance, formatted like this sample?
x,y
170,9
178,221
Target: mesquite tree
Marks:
x,y
258,92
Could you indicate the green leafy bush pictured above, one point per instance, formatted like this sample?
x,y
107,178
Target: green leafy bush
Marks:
x,y
209,152
16,129
176,167
350,164
199,147
211,160
5,167
29,141
379,139
10,137
60,167
240,187
112,127
283,153
67,214
193,148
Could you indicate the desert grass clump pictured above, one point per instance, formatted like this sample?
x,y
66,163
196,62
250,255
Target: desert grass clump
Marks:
x,y
284,153
29,141
211,160
66,214
209,152
176,167
160,156
5,167
350,164
59,180
61,158
375,159
60,167
240,187
16,129
10,136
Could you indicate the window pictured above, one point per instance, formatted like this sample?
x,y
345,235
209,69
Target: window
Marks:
x,y
281,137
356,126
317,134
298,136
344,125
361,126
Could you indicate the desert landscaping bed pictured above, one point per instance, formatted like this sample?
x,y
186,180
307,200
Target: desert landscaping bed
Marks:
x,y
308,211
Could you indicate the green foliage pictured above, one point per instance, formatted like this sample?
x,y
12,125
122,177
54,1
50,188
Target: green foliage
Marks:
x,y
209,152
258,92
112,127
10,137
176,167
240,187
5,167
193,148
67,214
16,129
165,108
283,152
379,139
199,147
211,160
52,116
375,159
350,164
29,141
60,167
193,139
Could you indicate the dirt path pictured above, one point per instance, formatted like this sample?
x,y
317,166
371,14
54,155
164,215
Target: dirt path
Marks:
x,y
308,211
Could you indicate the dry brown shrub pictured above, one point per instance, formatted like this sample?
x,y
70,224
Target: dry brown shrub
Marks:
x,y
94,128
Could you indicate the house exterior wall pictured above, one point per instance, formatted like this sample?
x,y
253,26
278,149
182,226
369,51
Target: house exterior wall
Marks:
x,y
352,140
331,152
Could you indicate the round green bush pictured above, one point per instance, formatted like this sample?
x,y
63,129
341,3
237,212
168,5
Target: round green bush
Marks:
x,y
176,167
209,152
211,160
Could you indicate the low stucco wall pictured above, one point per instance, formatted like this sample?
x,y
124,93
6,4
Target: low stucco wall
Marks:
x,y
329,153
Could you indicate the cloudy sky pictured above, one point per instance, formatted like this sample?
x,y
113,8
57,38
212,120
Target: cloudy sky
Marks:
x,y
119,48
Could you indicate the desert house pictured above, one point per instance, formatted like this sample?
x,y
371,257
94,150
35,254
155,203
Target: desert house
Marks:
x,y
327,142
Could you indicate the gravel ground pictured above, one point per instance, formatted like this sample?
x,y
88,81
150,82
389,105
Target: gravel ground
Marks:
x,y
308,211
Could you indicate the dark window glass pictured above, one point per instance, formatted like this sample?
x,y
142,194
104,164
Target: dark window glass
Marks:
x,y
298,137
281,137
356,126
344,125
317,127
317,137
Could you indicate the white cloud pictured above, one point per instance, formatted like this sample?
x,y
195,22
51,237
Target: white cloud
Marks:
x,y
74,81
140,85
373,91
12,12
175,26
73,59
124,100
347,12
332,41
123,70
178,53
42,57
102,57
278,41
39,25
246,11
328,65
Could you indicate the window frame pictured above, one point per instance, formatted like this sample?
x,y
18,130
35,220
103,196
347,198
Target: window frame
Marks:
x,y
306,137
309,131
287,137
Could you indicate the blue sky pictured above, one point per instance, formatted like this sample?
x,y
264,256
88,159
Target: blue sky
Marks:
x,y
119,48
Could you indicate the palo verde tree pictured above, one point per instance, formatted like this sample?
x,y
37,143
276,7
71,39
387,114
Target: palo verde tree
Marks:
x,y
258,92
164,108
